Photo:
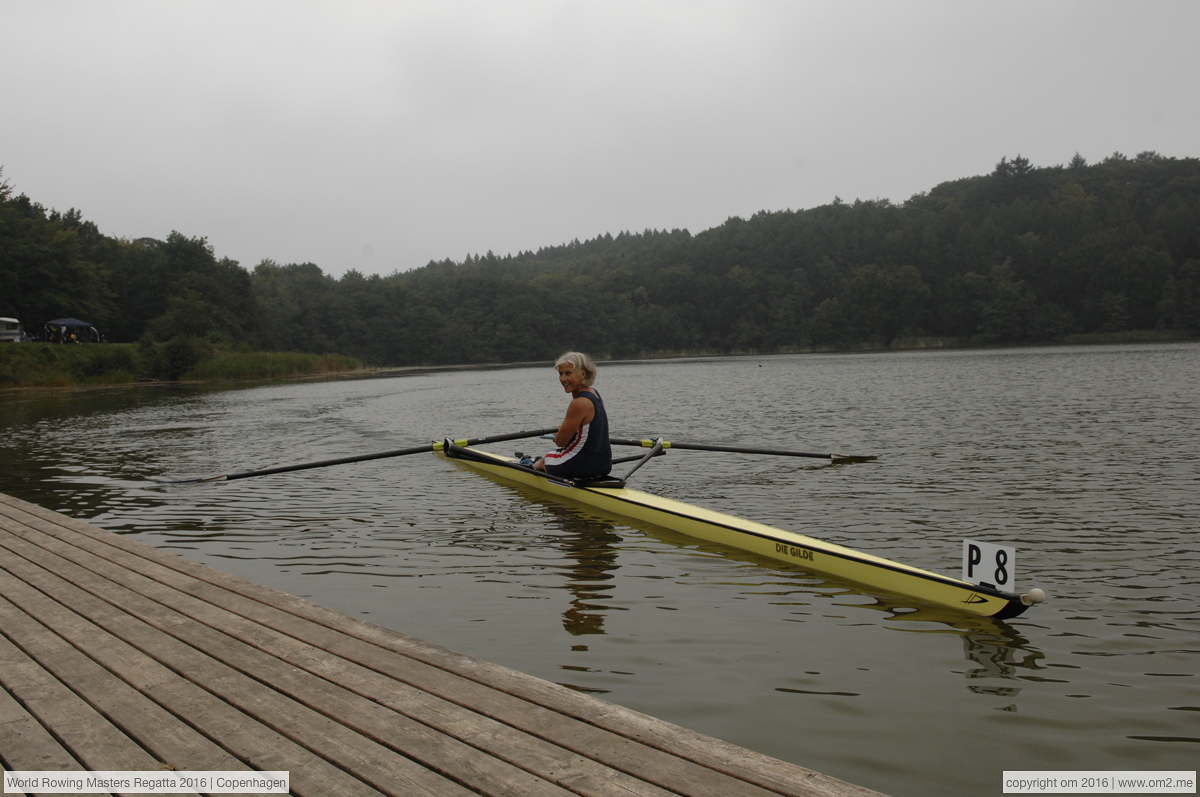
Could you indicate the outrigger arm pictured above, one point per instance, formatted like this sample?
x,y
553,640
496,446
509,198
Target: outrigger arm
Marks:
x,y
655,450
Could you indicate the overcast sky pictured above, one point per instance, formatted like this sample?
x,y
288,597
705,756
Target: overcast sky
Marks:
x,y
381,135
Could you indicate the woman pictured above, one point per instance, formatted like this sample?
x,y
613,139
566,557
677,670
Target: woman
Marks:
x,y
582,439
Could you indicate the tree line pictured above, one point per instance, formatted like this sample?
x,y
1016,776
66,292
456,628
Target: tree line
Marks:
x,y
1021,255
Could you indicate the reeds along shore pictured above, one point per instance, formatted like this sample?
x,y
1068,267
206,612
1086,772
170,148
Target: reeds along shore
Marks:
x,y
52,365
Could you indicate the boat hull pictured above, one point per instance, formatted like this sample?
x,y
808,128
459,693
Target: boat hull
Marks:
x,y
808,553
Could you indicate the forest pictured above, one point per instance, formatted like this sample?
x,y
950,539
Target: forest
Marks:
x,y
1024,254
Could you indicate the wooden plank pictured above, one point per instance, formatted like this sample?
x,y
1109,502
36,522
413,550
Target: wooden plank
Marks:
x,y
25,745
616,752
583,775
234,730
356,732
139,718
432,750
76,725
431,667
265,749
36,749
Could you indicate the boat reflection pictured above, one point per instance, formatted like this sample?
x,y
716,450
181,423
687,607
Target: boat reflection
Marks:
x,y
997,658
998,650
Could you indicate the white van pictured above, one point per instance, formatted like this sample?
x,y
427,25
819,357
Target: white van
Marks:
x,y
10,331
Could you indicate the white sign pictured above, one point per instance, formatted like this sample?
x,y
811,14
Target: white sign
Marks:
x,y
1099,781
156,781
989,565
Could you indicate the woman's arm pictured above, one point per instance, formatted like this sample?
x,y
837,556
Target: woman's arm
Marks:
x,y
579,412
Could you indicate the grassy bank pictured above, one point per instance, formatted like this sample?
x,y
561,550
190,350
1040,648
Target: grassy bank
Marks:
x,y
52,365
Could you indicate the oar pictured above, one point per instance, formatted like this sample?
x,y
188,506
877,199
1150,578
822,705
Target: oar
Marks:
x,y
656,448
400,452
836,458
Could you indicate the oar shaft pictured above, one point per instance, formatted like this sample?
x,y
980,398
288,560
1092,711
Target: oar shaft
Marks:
x,y
623,441
400,452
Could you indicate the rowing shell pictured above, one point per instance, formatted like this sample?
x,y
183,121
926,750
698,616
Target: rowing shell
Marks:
x,y
809,553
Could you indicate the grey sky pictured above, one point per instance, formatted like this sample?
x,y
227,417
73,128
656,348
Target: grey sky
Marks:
x,y
381,135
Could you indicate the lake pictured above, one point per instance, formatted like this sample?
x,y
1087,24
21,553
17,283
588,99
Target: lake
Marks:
x,y
1086,459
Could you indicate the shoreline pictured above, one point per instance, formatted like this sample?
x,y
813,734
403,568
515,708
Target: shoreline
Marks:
x,y
35,366
937,343
155,383
898,346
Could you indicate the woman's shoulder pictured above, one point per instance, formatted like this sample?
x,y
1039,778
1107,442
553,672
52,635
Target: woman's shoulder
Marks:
x,y
586,401
590,398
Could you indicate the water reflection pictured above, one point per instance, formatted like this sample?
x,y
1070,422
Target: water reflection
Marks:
x,y
591,547
996,657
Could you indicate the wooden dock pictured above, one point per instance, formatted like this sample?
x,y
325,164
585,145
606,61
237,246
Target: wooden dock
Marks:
x,y
115,655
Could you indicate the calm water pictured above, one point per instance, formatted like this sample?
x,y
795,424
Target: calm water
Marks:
x,y
1085,459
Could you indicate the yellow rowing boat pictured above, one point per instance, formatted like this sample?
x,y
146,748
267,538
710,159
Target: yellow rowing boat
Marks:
x,y
816,556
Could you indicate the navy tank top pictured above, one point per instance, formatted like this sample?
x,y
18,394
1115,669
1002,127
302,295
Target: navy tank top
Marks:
x,y
589,453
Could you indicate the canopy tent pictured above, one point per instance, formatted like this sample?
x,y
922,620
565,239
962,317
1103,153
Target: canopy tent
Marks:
x,y
71,330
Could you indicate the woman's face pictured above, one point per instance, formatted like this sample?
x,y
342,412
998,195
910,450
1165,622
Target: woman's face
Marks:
x,y
570,377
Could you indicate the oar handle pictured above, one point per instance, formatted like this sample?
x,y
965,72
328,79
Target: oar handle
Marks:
x,y
497,438
648,443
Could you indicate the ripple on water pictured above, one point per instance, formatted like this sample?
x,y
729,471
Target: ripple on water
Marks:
x,y
1084,458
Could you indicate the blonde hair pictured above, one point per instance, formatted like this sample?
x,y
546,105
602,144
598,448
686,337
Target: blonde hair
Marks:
x,y
581,361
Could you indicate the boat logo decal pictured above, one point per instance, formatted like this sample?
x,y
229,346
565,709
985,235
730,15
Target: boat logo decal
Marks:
x,y
793,551
975,597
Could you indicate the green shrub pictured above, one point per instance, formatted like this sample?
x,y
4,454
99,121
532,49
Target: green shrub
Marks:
x,y
179,355
103,361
